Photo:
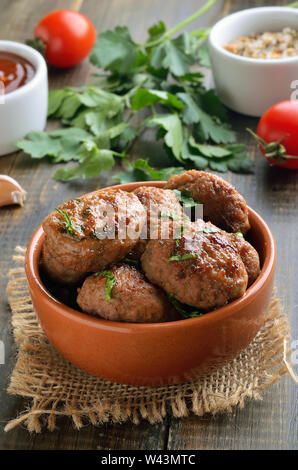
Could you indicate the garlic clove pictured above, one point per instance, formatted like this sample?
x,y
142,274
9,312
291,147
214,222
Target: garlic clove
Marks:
x,y
11,192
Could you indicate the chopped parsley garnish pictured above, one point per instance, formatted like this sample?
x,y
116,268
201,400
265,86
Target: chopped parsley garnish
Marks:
x,y
239,234
110,282
186,310
132,262
179,235
68,224
183,257
185,198
209,230
169,215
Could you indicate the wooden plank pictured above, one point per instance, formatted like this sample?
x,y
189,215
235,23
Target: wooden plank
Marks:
x,y
16,228
272,423
44,193
269,424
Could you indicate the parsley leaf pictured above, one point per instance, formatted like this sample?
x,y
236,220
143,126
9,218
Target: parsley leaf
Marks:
x,y
184,196
133,262
144,98
212,105
186,310
60,145
115,51
157,30
196,161
209,150
67,222
142,171
179,235
39,144
93,161
174,133
206,127
204,57
183,257
55,100
209,230
110,282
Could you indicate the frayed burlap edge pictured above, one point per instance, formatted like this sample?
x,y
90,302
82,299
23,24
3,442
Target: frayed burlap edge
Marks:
x,y
58,388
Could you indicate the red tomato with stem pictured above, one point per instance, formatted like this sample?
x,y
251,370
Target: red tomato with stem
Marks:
x,y
68,36
277,134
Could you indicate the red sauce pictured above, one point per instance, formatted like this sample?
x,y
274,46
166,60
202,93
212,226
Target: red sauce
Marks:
x,y
15,71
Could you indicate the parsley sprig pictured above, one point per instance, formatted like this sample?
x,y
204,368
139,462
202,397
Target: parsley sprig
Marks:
x,y
103,119
67,222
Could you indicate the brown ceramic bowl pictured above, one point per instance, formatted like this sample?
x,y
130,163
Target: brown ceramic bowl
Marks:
x,y
156,353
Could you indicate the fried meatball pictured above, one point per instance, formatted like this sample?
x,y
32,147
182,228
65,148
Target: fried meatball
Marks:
x,y
223,205
249,256
201,268
162,208
85,235
247,252
133,299
56,270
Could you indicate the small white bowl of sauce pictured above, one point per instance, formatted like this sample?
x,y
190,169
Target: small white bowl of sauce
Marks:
x,y
23,93
251,85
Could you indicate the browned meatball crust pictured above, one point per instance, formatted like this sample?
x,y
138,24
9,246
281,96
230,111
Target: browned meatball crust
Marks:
x,y
56,270
223,205
133,299
207,274
247,252
162,208
249,256
87,234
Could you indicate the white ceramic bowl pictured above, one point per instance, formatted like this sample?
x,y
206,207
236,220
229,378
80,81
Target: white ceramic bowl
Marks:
x,y
24,109
251,86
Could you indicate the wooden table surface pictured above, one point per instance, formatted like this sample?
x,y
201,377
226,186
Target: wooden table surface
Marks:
x,y
269,424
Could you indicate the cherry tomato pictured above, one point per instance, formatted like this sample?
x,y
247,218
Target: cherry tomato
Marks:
x,y
67,35
280,124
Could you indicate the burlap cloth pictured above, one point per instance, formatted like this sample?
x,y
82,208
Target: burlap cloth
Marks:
x,y
58,388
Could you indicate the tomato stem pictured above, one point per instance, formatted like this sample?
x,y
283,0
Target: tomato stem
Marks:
x,y
274,150
76,6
